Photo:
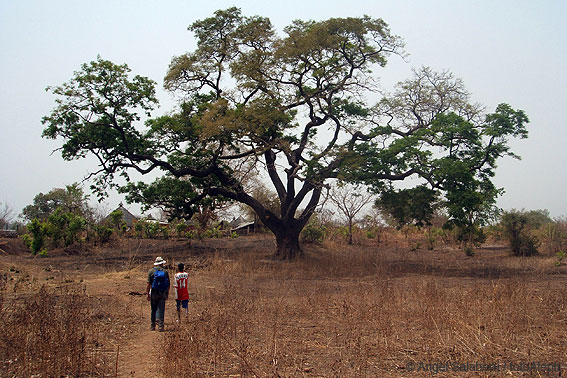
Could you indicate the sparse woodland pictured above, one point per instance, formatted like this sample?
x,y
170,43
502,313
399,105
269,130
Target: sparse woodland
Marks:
x,y
342,273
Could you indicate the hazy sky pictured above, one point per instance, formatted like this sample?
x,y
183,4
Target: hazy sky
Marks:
x,y
511,51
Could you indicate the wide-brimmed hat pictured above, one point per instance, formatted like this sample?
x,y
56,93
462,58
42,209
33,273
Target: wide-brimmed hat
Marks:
x,y
159,261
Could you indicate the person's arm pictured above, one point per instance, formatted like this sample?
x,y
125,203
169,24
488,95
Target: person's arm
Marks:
x,y
169,281
176,286
149,285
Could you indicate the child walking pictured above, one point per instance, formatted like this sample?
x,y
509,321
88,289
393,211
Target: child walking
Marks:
x,y
181,291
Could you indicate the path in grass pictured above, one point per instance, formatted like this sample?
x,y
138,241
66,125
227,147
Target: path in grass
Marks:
x,y
137,348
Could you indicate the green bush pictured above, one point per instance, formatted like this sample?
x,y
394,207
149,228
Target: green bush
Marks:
x,y
180,229
517,225
312,234
151,229
139,228
560,256
470,235
103,232
38,231
212,233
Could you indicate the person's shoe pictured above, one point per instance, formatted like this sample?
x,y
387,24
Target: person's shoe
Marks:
x,y
152,328
161,329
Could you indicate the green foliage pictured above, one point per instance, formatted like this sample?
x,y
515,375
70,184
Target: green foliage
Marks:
x,y
116,219
164,232
192,234
180,198
433,234
74,227
103,232
251,95
38,233
139,228
560,256
517,229
105,125
151,229
64,225
409,206
313,233
537,218
213,233
470,235
180,229
58,226
72,200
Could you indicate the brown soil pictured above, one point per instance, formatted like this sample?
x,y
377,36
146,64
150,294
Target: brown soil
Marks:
x,y
115,277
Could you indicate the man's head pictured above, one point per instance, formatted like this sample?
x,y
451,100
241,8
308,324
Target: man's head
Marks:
x,y
180,267
159,261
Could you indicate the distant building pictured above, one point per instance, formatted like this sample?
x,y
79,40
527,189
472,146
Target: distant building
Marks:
x,y
127,216
248,228
235,222
150,218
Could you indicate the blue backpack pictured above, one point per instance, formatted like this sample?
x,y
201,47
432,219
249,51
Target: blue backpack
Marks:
x,y
161,281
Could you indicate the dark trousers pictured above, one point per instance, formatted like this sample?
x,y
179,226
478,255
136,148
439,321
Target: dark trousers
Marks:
x,y
157,301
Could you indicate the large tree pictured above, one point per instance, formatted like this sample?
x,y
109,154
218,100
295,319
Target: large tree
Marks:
x,y
293,105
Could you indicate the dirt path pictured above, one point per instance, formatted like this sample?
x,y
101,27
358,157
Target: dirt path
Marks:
x,y
136,349
132,345
137,357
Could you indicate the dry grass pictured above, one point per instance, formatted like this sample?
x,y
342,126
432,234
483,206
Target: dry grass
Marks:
x,y
342,311
49,332
355,312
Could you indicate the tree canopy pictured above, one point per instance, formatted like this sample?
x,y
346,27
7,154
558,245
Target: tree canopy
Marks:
x,y
72,200
294,106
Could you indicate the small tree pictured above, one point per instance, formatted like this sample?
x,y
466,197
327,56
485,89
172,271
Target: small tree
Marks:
x,y
517,229
350,201
38,232
6,216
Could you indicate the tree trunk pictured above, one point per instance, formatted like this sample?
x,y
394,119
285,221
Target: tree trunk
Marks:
x,y
287,244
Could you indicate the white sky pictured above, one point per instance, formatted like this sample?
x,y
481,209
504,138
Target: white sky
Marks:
x,y
512,51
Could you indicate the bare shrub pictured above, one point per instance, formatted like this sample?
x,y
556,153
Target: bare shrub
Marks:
x,y
51,333
553,236
6,216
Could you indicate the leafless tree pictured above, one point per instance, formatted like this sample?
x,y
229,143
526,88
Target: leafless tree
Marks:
x,y
6,215
350,200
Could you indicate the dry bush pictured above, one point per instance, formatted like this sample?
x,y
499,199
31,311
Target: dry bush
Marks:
x,y
355,312
553,237
50,332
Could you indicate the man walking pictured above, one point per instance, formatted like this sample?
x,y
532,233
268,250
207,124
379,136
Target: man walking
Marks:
x,y
157,292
